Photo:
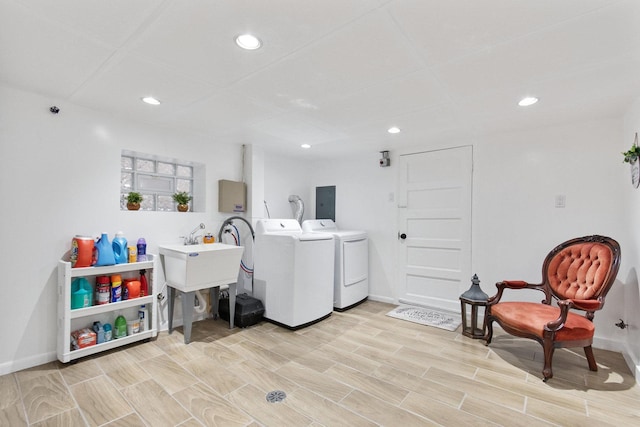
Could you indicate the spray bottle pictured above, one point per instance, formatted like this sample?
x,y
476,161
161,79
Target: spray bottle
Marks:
x,y
144,286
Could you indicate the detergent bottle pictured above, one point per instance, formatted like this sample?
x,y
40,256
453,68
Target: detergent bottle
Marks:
x,y
105,251
99,330
142,249
82,252
120,250
120,327
81,293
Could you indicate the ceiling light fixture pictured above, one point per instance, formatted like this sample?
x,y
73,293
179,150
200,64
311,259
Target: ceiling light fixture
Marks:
x,y
393,130
305,146
529,100
150,100
248,41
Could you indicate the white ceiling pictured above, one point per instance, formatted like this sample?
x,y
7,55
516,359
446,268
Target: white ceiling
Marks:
x,y
332,73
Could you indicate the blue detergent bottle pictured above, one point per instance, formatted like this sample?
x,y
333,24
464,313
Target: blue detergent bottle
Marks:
x,y
99,330
105,251
120,250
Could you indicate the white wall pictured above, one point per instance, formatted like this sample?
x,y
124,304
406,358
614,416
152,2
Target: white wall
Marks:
x,y
631,264
365,200
285,176
60,177
516,179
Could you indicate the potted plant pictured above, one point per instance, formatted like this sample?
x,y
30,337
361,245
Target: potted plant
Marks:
x,y
133,201
182,198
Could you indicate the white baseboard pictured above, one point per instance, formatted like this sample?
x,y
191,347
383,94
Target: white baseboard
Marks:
x,y
435,303
607,344
27,362
164,325
379,298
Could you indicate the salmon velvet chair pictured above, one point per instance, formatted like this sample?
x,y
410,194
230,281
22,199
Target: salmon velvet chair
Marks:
x,y
576,275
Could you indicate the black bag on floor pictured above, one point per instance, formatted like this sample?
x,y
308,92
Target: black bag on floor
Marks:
x,y
249,310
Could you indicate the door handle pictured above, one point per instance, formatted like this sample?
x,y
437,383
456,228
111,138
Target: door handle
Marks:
x,y
402,236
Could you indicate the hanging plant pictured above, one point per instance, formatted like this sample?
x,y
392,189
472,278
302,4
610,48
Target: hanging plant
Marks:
x,y
631,157
632,154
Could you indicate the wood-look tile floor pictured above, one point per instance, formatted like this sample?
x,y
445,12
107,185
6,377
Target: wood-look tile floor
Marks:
x,y
356,368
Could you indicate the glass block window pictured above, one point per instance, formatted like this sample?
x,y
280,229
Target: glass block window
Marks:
x,y
156,179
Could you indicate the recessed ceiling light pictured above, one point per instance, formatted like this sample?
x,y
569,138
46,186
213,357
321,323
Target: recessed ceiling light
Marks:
x,y
150,100
393,130
529,100
248,41
305,146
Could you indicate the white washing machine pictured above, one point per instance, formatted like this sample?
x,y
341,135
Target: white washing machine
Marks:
x,y
351,272
293,273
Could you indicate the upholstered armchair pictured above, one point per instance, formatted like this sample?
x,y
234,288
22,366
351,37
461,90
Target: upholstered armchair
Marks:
x,y
576,277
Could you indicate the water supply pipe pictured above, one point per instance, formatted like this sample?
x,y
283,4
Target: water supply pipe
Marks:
x,y
230,221
297,206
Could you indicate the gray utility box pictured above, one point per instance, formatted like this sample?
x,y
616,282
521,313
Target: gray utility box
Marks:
x,y
232,196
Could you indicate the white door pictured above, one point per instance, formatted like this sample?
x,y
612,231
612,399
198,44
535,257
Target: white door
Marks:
x,y
434,202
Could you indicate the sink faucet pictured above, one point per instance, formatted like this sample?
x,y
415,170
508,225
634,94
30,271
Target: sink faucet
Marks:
x,y
192,239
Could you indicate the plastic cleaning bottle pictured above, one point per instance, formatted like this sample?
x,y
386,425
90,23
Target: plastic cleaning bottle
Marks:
x,y
133,254
120,326
144,286
133,288
116,290
99,330
108,332
143,315
120,250
142,249
82,251
105,251
81,293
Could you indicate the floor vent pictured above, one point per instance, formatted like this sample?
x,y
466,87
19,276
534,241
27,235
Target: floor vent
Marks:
x,y
276,396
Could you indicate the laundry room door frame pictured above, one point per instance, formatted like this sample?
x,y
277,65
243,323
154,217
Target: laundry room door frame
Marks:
x,y
434,233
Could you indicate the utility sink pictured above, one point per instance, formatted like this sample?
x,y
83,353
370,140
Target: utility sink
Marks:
x,y
192,267
189,268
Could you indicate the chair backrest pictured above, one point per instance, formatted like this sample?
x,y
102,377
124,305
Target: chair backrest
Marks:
x,y
583,268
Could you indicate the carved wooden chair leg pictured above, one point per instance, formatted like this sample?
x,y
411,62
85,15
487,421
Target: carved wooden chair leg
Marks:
x,y
489,333
588,351
547,372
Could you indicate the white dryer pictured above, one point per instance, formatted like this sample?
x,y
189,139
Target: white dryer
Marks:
x,y
293,273
351,272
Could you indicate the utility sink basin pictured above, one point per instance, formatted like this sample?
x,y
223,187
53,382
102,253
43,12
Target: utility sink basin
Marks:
x,y
193,267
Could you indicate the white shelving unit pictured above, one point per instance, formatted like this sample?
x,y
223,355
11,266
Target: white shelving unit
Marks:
x,y
70,320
